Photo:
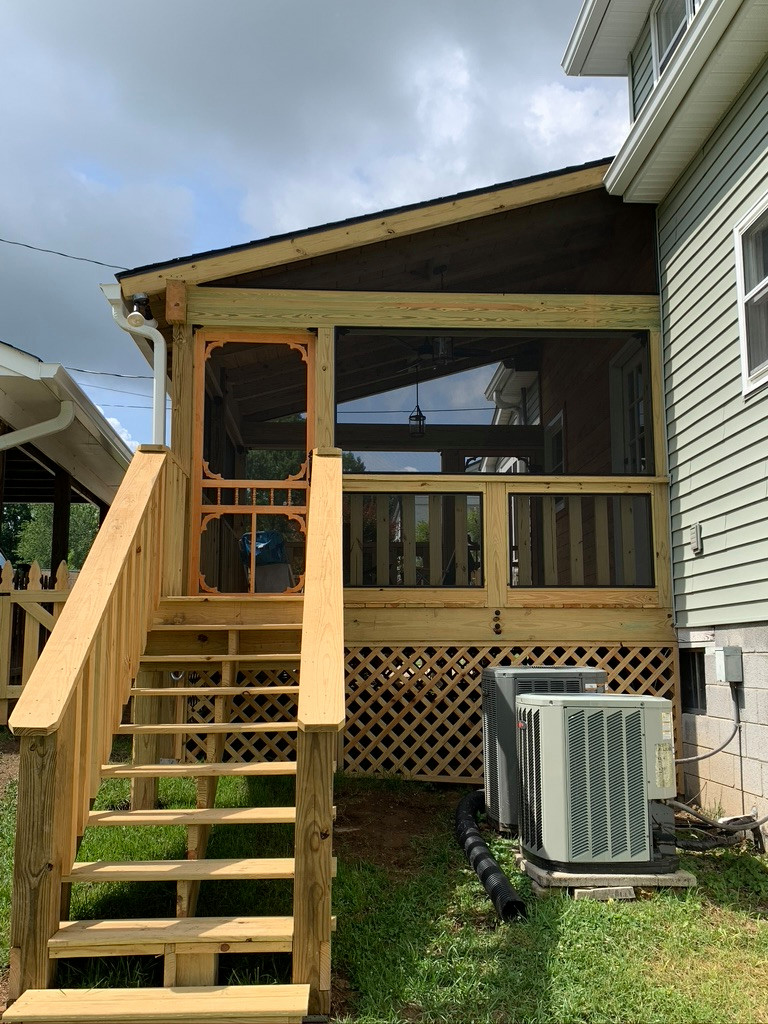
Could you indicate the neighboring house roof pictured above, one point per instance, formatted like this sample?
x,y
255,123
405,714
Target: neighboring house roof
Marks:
x,y
90,449
370,228
724,45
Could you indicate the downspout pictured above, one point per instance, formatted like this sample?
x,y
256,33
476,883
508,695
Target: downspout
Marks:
x,y
138,327
24,435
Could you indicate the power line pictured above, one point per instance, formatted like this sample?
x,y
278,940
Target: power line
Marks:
x,y
66,255
119,391
110,373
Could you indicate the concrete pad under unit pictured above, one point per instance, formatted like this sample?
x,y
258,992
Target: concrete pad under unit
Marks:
x,y
608,880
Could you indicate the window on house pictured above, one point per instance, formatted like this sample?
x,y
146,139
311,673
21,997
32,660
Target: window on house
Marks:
x,y
670,20
751,244
693,691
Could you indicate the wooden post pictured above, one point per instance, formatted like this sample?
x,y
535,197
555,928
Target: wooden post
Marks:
x,y
6,623
62,503
324,386
314,865
495,544
602,541
43,852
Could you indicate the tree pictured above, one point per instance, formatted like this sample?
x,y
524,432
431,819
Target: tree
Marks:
x,y
15,517
34,543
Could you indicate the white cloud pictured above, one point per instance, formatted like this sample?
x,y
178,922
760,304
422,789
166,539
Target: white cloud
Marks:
x,y
120,430
560,118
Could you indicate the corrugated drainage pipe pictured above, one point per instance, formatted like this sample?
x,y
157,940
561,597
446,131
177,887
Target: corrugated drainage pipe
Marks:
x,y
509,906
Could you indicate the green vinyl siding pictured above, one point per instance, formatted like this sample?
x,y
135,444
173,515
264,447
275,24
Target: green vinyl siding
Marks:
x,y
718,441
641,62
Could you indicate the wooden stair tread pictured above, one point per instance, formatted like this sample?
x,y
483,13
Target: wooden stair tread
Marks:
x,y
170,728
213,659
196,816
209,691
222,1004
182,870
198,769
273,934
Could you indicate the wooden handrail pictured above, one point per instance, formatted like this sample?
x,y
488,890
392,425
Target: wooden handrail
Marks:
x,y
73,700
522,483
321,697
55,679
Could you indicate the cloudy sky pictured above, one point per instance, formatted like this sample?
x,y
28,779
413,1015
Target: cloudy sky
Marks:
x,y
135,135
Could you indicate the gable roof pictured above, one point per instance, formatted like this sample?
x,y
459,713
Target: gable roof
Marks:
x,y
369,228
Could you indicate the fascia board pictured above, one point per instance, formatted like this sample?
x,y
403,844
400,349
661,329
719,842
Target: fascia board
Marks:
x,y
668,96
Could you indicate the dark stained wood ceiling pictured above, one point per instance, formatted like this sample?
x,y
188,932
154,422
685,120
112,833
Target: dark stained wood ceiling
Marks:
x,y
586,243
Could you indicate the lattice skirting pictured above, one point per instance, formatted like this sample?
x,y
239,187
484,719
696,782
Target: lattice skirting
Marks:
x,y
412,711
416,711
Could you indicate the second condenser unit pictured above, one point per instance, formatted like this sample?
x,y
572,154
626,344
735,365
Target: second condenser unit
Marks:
x,y
501,687
592,772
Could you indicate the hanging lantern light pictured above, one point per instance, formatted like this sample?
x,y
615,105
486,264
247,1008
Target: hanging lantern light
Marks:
x,y
417,419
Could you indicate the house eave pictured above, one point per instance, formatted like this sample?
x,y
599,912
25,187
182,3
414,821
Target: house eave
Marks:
x,y
604,34
725,44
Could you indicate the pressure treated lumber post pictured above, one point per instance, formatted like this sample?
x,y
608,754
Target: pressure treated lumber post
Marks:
x,y
320,718
43,844
312,883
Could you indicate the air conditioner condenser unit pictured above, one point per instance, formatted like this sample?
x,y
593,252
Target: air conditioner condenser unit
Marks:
x,y
501,687
591,770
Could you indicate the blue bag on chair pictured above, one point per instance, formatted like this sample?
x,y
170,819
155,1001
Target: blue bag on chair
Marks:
x,y
269,548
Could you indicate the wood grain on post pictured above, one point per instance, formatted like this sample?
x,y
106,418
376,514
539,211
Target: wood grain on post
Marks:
x,y
314,866
44,843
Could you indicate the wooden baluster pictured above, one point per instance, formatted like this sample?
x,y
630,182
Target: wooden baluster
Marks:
x,y
627,513
461,551
602,541
576,540
549,540
408,529
355,540
521,510
435,540
382,540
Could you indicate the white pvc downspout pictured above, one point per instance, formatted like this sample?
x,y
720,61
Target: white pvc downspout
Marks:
x,y
24,435
138,327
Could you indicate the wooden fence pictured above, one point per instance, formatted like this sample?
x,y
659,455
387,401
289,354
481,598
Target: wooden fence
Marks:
x,y
30,604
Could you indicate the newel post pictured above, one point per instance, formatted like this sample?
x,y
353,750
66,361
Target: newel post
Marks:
x,y
43,853
315,757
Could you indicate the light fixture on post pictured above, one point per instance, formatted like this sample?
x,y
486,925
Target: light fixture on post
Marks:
x,y
417,419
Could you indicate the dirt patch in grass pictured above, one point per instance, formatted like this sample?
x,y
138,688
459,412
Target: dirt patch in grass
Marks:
x,y
380,825
9,758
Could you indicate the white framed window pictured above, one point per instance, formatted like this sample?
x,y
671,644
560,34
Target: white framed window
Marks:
x,y
751,248
669,20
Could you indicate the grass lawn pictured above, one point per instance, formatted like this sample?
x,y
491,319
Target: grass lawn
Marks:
x,y
417,939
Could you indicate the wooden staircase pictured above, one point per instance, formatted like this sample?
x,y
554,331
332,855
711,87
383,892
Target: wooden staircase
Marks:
x,y
245,661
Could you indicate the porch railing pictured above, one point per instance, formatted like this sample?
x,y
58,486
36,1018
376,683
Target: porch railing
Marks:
x,y
72,703
506,534
321,715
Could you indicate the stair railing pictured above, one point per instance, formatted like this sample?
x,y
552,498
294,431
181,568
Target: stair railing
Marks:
x,y
72,703
320,719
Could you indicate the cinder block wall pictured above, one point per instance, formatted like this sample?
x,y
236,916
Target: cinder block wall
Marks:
x,y
735,780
